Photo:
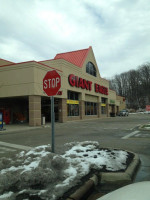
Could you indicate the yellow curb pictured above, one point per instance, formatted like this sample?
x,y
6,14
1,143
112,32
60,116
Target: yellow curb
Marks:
x,y
83,190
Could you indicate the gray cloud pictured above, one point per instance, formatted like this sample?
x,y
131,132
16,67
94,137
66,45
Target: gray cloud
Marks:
x,y
117,30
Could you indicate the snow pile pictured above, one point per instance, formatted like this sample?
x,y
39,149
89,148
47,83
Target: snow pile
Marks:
x,y
41,173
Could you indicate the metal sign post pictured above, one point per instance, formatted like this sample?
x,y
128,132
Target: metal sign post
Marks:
x,y
52,124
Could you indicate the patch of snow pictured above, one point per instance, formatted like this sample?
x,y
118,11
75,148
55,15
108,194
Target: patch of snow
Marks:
x,y
10,169
25,168
58,173
31,166
6,195
41,192
22,191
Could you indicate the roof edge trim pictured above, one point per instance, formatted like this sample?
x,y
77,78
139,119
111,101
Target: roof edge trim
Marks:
x,y
6,60
85,56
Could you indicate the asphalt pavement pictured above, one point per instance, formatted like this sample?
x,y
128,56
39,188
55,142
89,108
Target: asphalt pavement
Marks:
x,y
115,132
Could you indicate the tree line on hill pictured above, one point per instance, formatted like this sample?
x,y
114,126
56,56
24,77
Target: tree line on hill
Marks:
x,y
134,85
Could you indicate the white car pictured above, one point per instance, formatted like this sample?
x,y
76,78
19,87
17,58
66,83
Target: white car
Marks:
x,y
135,191
123,113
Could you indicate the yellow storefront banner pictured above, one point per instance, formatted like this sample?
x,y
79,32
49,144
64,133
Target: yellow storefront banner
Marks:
x,y
72,102
103,104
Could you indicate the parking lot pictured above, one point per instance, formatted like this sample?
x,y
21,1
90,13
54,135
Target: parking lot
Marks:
x,y
115,132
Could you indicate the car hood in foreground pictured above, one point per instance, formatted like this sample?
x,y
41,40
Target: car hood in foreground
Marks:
x,y
136,191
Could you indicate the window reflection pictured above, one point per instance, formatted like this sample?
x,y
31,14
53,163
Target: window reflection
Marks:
x,y
90,69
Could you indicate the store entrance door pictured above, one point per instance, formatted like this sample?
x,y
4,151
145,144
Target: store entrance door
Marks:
x,y
112,111
46,109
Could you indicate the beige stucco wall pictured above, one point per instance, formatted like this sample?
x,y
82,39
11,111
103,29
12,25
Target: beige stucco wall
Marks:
x,y
26,79
91,98
112,97
22,79
122,104
17,80
117,103
68,68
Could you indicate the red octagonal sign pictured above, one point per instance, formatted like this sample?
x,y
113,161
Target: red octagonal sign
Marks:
x,y
51,83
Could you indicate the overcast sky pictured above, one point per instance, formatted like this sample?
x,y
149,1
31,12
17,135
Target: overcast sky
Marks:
x,y
117,30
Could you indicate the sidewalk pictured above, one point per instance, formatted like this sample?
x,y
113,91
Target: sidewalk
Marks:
x,y
19,127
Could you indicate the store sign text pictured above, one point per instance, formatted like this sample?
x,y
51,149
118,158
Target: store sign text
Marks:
x,y
78,82
75,81
101,89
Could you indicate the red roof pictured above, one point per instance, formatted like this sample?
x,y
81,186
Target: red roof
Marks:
x,y
5,62
75,57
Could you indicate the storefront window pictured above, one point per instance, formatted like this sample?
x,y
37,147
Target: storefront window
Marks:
x,y
95,108
90,69
90,108
73,103
103,105
103,109
76,109
73,95
104,100
73,109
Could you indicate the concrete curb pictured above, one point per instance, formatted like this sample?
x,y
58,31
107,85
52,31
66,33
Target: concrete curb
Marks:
x,y
143,129
19,129
83,190
107,178
121,177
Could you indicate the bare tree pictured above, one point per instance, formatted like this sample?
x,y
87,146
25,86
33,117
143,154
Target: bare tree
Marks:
x,y
134,85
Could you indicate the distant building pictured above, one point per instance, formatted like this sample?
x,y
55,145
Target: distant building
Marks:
x,y
84,94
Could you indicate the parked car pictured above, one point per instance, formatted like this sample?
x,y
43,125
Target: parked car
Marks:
x,y
123,113
135,191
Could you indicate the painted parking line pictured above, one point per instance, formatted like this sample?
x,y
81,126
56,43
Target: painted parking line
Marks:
x,y
111,128
16,146
7,149
130,135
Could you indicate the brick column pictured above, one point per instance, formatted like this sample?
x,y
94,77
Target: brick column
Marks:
x,y
82,109
115,110
35,110
99,109
107,110
62,107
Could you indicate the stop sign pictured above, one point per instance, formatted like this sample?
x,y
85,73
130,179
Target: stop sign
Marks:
x,y
51,83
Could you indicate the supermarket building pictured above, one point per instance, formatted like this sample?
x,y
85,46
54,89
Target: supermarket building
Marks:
x,y
84,94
